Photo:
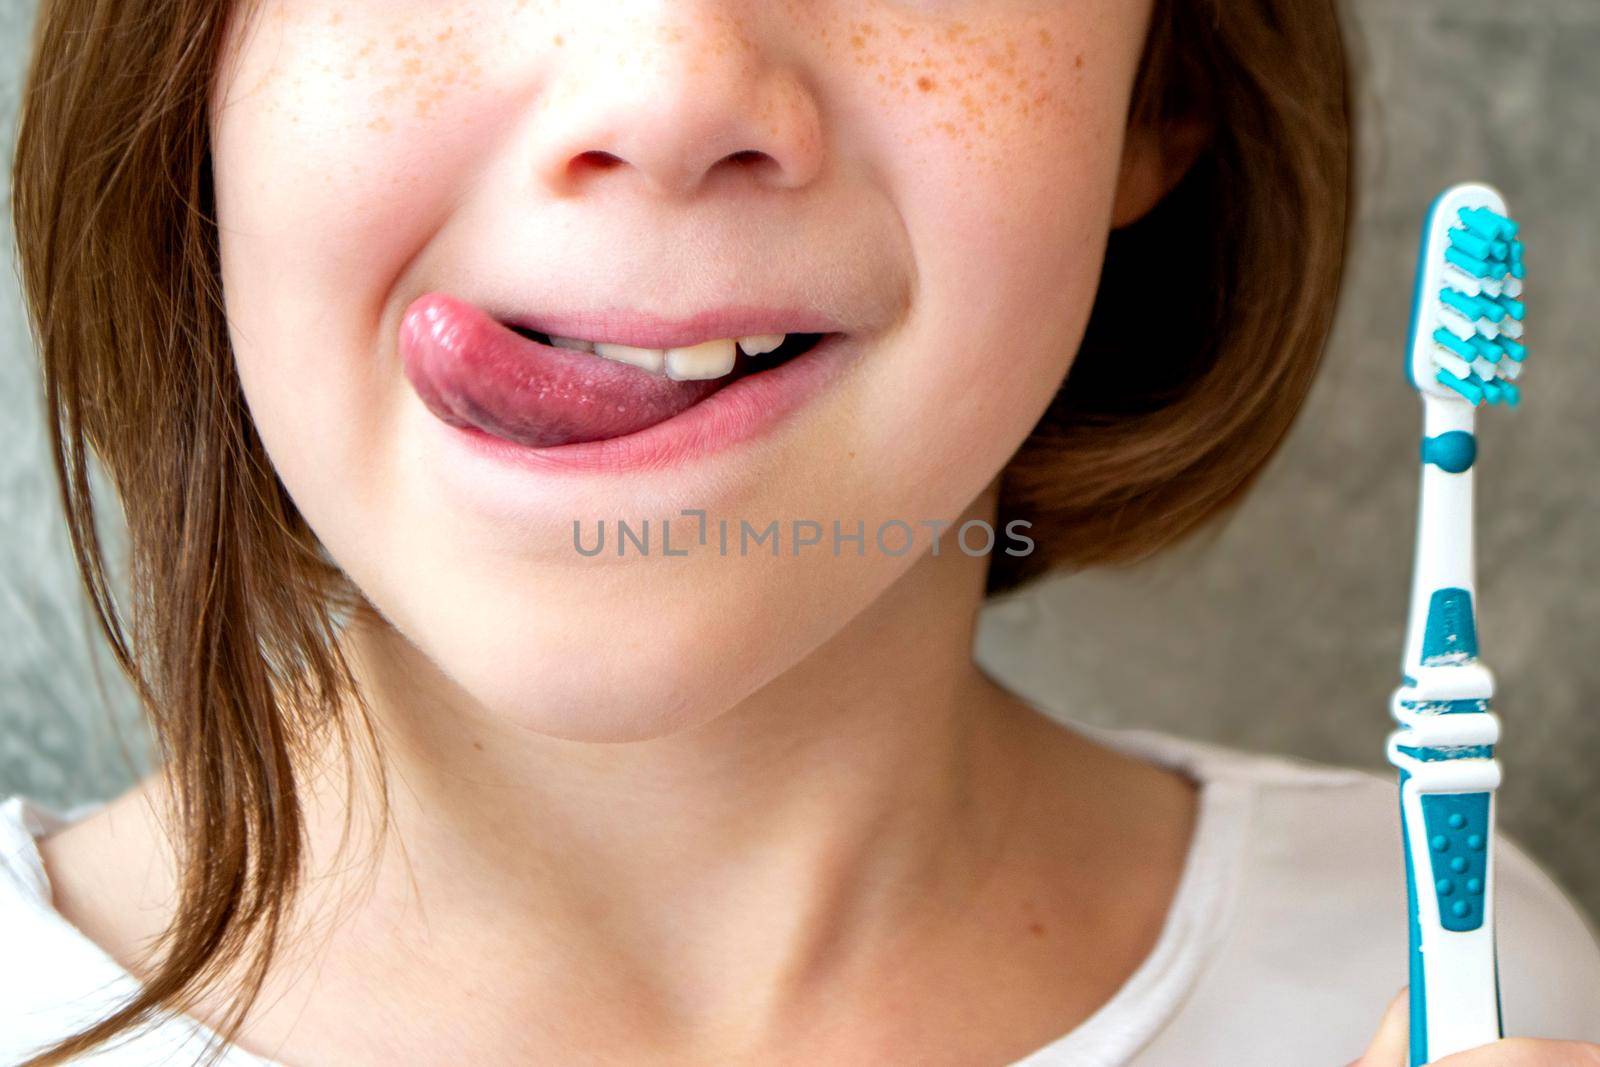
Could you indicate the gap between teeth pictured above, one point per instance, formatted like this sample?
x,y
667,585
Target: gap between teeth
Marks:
x,y
709,359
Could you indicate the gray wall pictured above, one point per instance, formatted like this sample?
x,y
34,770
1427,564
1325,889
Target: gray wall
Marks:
x,y
1282,632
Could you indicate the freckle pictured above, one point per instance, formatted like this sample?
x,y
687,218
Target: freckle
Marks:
x,y
1044,38
412,66
925,83
1077,63
1036,930
380,124
559,41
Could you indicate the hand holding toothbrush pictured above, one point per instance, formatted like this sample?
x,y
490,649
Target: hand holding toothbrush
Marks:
x,y
1390,1048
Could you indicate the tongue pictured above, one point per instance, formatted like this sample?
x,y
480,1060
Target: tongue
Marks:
x,y
472,372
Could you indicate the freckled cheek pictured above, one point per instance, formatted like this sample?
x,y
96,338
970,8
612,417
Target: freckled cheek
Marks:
x,y
333,172
1014,199
993,120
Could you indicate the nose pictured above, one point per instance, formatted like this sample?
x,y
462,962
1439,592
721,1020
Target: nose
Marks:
x,y
681,95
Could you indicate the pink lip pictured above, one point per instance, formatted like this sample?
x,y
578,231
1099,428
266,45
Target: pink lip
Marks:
x,y
721,414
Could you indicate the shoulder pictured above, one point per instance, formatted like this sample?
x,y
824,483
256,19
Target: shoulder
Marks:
x,y
1318,895
42,960
53,980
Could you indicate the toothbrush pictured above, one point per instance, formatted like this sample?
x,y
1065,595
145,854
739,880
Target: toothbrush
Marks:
x,y
1465,349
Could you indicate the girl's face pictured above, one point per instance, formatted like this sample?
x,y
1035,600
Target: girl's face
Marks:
x,y
396,179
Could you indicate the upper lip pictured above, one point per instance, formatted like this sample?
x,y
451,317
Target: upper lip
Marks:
x,y
643,330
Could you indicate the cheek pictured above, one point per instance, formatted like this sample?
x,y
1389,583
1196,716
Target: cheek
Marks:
x,y
341,140
342,135
1002,138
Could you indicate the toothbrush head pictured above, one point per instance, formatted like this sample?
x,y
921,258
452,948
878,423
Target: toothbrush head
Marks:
x,y
1466,339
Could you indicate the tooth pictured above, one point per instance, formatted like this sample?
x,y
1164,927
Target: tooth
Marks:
x,y
762,343
573,343
711,359
651,359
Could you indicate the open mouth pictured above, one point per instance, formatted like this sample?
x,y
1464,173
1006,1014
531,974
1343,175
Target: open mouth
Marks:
x,y
794,344
474,371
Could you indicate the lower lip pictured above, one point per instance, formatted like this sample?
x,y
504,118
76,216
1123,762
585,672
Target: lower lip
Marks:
x,y
745,410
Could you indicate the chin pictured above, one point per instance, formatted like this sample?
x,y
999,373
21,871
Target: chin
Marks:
x,y
603,674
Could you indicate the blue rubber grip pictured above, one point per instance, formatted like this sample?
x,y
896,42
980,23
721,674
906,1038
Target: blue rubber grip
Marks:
x,y
1457,825
1458,841
1418,987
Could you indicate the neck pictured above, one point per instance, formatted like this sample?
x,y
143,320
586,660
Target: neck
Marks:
x,y
867,789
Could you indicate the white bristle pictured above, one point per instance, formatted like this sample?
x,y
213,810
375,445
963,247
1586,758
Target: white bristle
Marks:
x,y
1456,323
1457,278
1451,362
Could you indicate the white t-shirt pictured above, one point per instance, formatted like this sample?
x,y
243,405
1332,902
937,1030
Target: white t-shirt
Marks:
x,y
1286,939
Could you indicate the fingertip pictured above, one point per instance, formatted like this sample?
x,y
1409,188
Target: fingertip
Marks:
x,y
1388,1048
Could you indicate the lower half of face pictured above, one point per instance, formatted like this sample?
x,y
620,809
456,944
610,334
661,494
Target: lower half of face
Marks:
x,y
500,278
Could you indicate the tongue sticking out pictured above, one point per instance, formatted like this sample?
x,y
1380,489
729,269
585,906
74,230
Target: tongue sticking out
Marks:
x,y
472,372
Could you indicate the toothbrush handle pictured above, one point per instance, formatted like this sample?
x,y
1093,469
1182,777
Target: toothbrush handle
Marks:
x,y
1447,810
1444,751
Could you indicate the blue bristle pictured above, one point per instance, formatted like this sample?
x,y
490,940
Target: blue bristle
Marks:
x,y
1473,245
1463,303
1454,344
1471,264
1461,385
1485,348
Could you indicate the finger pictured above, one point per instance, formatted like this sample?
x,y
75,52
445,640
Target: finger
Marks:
x,y
1388,1048
1525,1052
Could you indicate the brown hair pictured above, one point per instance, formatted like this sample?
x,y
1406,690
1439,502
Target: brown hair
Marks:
x,y
1171,412
230,632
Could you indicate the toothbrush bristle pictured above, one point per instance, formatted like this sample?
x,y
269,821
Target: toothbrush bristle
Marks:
x,y
1477,341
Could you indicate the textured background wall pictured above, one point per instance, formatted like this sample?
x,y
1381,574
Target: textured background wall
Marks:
x,y
1283,631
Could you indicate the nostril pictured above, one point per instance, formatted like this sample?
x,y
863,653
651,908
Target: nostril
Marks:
x,y
597,160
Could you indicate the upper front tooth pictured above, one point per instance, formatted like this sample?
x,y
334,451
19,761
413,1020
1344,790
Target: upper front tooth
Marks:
x,y
573,343
651,359
762,343
710,359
